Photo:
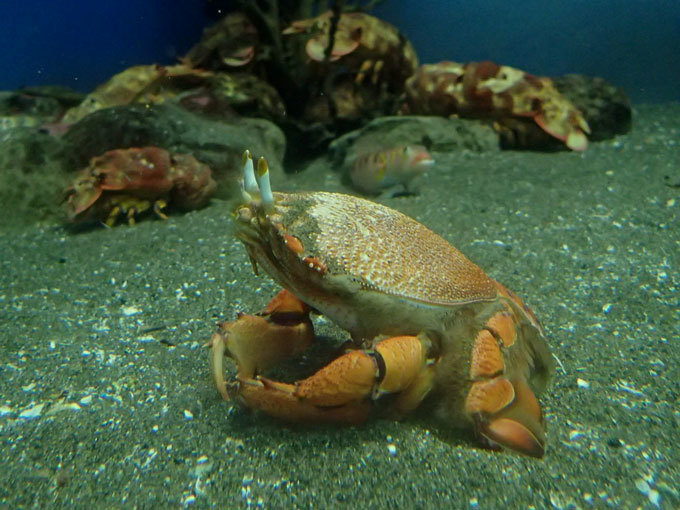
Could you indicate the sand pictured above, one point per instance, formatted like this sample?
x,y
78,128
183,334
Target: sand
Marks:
x,y
107,400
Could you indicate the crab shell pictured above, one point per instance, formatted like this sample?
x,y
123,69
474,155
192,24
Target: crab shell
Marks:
x,y
377,272
139,176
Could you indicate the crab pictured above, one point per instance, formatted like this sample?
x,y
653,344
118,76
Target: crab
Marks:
x,y
127,182
139,84
230,43
486,89
366,45
426,324
364,72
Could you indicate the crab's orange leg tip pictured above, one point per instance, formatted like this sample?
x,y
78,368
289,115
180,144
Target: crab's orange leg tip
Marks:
x,y
517,425
526,405
515,436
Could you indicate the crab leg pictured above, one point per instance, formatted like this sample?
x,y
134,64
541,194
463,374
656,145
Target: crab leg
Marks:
x,y
342,390
503,406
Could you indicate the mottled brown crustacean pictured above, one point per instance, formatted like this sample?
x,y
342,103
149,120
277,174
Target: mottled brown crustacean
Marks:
x,y
424,320
367,45
138,84
486,89
364,72
126,182
229,44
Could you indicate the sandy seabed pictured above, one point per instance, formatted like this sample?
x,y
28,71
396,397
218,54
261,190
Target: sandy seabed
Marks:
x,y
106,400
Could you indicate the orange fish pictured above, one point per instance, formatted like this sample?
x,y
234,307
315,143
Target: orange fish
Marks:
x,y
377,171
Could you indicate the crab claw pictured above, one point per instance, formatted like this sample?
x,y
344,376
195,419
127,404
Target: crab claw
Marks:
x,y
342,391
344,44
240,56
259,342
82,194
558,117
570,130
279,400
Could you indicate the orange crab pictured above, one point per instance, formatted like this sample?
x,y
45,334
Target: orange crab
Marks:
x,y
486,89
126,182
424,320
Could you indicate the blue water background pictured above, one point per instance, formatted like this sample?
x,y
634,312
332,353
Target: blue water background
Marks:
x,y
632,43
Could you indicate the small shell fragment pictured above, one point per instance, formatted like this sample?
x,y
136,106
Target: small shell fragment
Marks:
x,y
130,310
575,435
86,400
31,412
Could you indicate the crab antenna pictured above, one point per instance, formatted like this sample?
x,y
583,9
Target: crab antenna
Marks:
x,y
262,177
249,183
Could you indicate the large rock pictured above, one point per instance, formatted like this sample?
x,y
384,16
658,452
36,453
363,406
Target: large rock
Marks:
x,y
438,134
219,143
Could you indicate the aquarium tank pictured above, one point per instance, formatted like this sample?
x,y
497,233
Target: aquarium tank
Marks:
x,y
339,254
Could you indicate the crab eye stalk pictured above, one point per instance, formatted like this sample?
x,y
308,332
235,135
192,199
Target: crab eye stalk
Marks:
x,y
249,184
265,186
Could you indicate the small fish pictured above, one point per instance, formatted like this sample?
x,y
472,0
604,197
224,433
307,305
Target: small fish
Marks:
x,y
378,171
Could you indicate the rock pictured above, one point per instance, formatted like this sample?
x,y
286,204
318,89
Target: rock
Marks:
x,y
44,103
436,133
32,177
219,143
605,107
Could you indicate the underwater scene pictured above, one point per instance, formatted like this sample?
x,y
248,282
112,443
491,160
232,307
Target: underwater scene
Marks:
x,y
340,254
